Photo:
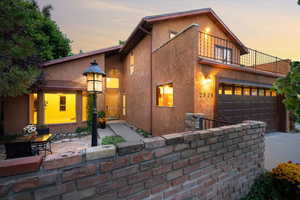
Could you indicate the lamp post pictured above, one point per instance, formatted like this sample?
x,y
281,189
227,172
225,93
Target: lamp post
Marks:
x,y
94,77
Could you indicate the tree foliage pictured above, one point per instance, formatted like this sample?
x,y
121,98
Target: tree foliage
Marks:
x,y
298,2
28,37
289,86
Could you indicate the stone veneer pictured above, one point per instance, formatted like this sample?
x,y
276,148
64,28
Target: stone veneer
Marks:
x,y
219,163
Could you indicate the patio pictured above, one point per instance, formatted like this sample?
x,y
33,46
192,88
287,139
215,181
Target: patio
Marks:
x,y
70,145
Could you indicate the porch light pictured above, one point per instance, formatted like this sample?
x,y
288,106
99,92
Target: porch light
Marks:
x,y
207,30
94,77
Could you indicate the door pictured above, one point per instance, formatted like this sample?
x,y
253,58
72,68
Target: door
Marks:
x,y
237,108
112,102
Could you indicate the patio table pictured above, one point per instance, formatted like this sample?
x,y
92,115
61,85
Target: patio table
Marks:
x,y
42,142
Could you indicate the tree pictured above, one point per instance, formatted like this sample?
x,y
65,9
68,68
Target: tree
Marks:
x,y
28,37
298,2
289,86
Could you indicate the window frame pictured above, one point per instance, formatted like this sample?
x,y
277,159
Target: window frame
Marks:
x,y
157,97
62,103
224,56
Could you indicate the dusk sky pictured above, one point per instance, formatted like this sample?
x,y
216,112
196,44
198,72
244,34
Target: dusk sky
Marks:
x,y
271,26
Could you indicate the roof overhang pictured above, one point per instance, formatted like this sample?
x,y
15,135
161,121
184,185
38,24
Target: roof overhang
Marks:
x,y
145,26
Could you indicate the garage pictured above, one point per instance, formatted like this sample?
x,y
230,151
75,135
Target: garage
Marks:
x,y
238,101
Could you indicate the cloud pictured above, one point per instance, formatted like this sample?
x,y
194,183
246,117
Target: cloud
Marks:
x,y
104,5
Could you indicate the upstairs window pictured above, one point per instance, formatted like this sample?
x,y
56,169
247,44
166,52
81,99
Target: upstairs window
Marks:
x,y
223,54
165,95
131,63
172,34
228,90
238,90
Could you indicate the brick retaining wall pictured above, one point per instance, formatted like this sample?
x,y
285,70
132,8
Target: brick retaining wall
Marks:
x,y
219,163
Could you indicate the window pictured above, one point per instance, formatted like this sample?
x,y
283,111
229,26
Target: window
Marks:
x,y
172,34
268,92
237,90
223,54
60,108
84,107
274,94
227,90
246,91
165,95
131,63
62,103
124,105
112,83
253,91
261,92
33,108
220,89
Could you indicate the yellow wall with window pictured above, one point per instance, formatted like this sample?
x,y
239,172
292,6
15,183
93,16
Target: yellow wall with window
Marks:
x,y
60,108
84,107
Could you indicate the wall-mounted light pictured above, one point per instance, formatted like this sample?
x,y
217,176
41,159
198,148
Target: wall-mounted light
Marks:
x,y
206,81
207,30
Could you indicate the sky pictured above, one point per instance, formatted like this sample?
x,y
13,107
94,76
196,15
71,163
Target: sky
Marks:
x,y
270,26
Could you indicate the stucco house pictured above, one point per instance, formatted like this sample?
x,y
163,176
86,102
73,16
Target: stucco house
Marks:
x,y
171,64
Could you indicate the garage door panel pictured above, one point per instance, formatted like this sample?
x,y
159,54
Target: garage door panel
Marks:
x,y
239,108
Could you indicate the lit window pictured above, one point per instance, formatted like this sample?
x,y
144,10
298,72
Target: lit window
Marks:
x,y
228,90
253,91
62,103
246,91
172,34
223,54
112,83
221,89
274,94
268,92
165,95
33,107
124,105
60,108
131,63
261,92
84,107
238,90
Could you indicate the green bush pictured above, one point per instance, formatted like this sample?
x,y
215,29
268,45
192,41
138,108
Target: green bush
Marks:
x,y
143,133
112,140
263,189
81,129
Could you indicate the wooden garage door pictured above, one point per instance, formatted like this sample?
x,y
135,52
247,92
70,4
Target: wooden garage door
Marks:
x,y
234,108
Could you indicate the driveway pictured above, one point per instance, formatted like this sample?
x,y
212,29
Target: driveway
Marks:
x,y
281,147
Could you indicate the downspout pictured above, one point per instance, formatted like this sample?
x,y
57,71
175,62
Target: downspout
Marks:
x,y
151,88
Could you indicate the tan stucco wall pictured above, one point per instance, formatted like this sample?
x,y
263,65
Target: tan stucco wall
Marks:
x,y
161,31
16,114
206,95
175,63
137,87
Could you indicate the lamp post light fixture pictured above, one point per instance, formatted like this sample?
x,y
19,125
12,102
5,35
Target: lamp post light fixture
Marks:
x,y
94,77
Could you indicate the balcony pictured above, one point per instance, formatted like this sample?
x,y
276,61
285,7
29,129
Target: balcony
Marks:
x,y
227,52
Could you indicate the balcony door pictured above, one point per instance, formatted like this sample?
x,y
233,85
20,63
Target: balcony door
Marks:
x,y
223,54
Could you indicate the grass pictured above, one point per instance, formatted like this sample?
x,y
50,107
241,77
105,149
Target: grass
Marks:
x,y
112,140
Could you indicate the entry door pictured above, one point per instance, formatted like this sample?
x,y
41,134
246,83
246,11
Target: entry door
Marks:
x,y
112,101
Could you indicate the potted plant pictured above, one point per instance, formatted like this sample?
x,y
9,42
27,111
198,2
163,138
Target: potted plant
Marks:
x,y
102,119
42,129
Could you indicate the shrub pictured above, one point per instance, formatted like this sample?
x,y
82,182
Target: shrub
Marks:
x,y
112,140
283,183
81,129
143,133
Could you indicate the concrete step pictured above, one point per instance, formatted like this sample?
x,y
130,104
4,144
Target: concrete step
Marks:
x,y
124,131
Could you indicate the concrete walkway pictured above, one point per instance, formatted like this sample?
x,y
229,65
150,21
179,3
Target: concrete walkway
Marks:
x,y
281,147
127,133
